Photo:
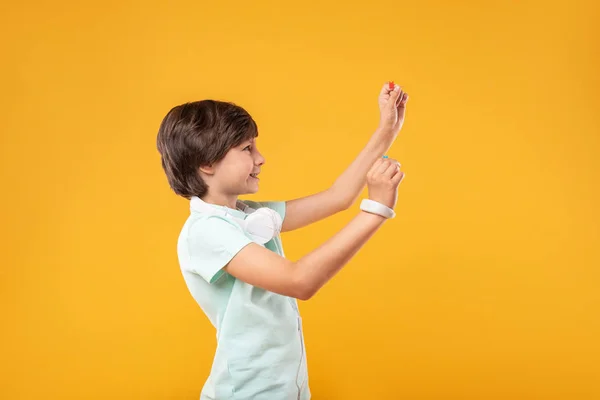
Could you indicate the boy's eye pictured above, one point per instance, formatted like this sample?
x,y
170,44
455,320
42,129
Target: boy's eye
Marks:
x,y
247,147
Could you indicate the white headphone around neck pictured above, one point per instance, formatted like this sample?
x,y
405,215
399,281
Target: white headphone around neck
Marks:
x,y
262,224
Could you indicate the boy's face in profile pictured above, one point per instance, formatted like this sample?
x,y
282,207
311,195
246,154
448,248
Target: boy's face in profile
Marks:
x,y
237,172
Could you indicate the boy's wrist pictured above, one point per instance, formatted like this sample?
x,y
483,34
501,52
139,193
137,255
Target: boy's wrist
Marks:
x,y
381,140
371,220
377,208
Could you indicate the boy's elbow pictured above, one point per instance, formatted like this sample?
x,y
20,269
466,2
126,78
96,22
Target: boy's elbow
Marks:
x,y
304,289
305,294
343,203
347,203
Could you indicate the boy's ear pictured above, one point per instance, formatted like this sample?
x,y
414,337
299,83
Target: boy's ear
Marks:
x,y
207,169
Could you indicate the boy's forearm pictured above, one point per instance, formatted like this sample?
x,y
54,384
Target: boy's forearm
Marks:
x,y
351,182
320,265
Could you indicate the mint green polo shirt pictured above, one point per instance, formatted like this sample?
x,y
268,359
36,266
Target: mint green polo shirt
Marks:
x,y
260,351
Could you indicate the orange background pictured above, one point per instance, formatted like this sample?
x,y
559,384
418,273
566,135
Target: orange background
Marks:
x,y
486,285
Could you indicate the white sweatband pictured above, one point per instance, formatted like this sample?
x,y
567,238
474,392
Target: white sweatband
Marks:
x,y
374,207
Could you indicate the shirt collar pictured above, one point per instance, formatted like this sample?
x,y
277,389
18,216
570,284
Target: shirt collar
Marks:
x,y
200,206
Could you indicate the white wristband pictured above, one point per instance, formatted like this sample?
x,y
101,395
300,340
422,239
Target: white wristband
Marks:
x,y
374,207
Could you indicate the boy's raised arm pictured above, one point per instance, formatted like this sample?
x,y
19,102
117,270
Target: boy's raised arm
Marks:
x,y
348,186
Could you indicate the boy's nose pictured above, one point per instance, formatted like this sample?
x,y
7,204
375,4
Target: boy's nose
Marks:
x,y
260,160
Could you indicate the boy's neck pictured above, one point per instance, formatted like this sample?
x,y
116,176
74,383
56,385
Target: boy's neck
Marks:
x,y
221,200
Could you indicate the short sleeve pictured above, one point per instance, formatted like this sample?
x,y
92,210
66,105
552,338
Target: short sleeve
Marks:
x,y
212,243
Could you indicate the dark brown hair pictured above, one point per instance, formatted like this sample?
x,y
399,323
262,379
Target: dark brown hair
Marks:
x,y
199,134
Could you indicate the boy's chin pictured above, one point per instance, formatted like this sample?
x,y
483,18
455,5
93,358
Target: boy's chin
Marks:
x,y
250,189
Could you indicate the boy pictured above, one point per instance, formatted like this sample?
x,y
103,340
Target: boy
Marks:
x,y
230,252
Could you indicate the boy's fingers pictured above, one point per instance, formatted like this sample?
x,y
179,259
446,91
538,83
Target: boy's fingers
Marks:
x,y
393,97
397,177
386,166
382,167
391,170
400,97
404,99
385,89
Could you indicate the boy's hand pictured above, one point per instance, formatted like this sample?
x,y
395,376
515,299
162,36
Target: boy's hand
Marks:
x,y
383,180
392,107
